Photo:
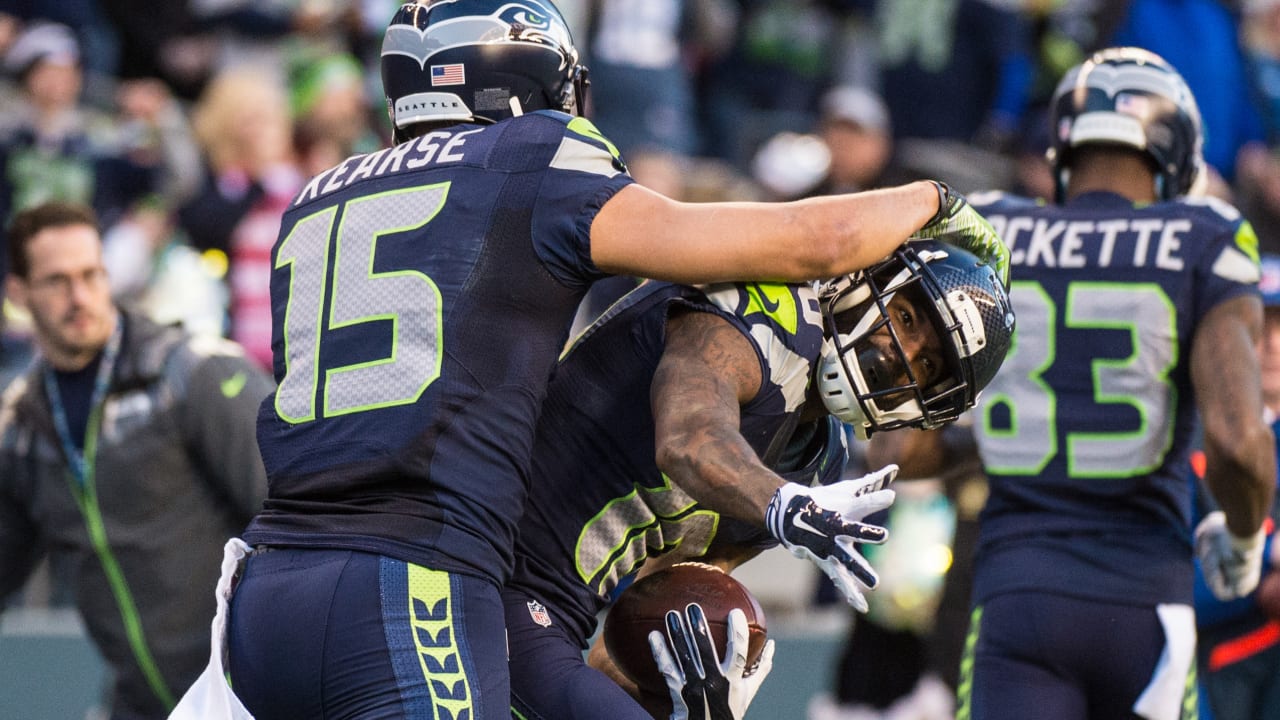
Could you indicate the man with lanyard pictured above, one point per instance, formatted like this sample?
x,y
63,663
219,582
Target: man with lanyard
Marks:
x,y
127,454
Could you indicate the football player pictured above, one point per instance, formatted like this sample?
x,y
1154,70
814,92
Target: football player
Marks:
x,y
706,423
420,297
1137,312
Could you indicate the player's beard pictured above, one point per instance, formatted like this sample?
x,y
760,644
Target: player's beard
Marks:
x,y
79,333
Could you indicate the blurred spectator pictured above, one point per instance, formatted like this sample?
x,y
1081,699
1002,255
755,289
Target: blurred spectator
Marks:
x,y
52,146
1260,30
15,353
956,76
955,69
1257,193
1239,641
328,103
157,134
242,123
1032,173
156,272
93,29
10,28
161,40
128,455
1257,180
262,32
642,89
784,54
316,149
850,150
855,125
15,347
1200,38
791,165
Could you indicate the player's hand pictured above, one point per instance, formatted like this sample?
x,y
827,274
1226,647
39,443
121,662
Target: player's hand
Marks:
x,y
823,524
1232,566
957,223
702,687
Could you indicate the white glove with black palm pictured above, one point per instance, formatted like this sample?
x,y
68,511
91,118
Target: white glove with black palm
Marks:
x,y
1232,566
701,686
823,524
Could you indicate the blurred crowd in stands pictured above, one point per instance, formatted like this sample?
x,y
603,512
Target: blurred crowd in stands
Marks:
x,y
189,125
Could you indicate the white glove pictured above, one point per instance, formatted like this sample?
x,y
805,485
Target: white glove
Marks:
x,y
702,687
1231,565
823,524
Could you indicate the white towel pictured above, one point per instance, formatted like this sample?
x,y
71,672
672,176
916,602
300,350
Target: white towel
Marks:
x,y
210,697
1162,700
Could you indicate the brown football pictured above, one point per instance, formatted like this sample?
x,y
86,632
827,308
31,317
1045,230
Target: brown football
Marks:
x,y
643,607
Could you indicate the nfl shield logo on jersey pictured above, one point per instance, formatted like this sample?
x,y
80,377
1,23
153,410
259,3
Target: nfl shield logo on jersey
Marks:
x,y
539,613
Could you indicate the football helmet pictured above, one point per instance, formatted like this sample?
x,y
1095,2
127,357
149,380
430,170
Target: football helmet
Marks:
x,y
1129,97
478,61
879,370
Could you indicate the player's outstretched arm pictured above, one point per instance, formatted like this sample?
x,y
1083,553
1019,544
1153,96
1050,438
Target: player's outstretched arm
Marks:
x,y
702,686
1240,466
641,232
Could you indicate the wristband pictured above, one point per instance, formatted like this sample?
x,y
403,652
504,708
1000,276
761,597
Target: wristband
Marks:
x,y
944,200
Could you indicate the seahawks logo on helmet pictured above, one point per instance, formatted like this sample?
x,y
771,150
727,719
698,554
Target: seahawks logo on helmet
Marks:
x,y
511,23
530,17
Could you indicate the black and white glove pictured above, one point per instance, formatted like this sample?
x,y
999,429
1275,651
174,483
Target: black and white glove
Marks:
x,y
823,524
1232,566
957,223
702,687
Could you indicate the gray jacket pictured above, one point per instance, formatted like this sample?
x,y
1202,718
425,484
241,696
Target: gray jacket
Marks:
x,y
177,472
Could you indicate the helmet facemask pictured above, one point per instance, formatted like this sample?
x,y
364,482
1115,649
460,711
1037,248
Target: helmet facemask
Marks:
x,y
865,376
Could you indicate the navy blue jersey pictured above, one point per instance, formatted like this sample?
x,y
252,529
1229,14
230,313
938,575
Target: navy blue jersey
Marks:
x,y
599,505
1086,430
420,297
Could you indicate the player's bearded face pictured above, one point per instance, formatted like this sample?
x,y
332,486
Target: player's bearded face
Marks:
x,y
67,293
884,366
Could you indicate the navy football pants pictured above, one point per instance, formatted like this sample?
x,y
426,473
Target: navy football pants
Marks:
x,y
550,679
1049,657
339,634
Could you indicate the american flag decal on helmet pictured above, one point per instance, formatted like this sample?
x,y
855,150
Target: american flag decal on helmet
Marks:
x,y
452,74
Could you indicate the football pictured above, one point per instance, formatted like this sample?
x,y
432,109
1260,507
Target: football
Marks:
x,y
643,607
